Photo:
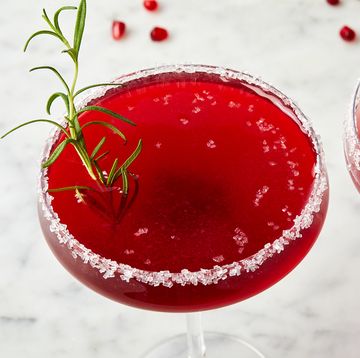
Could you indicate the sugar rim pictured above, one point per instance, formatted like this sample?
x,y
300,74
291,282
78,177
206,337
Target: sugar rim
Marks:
x,y
109,268
351,138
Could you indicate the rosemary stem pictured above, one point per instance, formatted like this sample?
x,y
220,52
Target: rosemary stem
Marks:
x,y
87,162
73,118
72,114
74,132
75,79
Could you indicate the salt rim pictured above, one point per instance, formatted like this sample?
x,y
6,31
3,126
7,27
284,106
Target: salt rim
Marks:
x,y
351,138
110,268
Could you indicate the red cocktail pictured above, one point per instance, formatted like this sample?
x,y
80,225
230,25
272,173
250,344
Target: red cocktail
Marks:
x,y
229,193
352,140
219,192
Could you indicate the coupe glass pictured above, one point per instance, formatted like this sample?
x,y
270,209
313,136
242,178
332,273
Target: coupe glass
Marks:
x,y
192,292
352,139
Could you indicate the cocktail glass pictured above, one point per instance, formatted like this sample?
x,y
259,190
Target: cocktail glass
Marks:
x,y
194,291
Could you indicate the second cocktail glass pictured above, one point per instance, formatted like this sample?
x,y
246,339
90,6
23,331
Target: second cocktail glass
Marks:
x,y
352,139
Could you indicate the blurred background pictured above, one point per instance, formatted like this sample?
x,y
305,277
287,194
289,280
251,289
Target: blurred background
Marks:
x,y
292,44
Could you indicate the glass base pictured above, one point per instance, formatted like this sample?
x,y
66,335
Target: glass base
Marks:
x,y
218,345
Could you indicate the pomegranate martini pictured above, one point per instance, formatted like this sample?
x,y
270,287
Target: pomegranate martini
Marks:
x,y
224,200
178,189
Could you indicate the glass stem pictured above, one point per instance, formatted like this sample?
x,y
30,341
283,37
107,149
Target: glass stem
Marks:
x,y
195,336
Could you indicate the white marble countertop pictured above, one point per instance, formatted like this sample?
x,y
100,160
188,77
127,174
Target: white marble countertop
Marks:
x,y
293,44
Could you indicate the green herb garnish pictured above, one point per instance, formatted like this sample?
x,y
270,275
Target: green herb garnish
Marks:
x,y
73,131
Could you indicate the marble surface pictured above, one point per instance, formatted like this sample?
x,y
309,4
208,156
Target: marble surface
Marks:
x,y
293,44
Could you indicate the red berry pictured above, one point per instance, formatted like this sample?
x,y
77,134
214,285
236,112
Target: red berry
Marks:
x,y
151,5
347,33
118,29
333,2
159,34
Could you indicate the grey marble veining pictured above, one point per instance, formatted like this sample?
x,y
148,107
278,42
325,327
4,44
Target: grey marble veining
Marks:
x,y
293,44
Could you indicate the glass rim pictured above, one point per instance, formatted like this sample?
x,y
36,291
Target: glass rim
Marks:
x,y
110,268
355,103
351,135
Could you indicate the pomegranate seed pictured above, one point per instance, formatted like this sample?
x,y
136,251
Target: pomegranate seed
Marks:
x,y
159,34
347,33
151,5
118,30
333,2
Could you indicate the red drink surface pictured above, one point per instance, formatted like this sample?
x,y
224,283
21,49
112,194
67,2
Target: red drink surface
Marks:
x,y
223,172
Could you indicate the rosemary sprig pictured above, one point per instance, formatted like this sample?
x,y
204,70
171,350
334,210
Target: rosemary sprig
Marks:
x,y
73,131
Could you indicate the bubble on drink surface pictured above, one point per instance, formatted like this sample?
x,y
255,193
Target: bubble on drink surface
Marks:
x,y
219,259
207,95
248,123
198,98
281,142
184,121
273,225
166,99
147,262
237,230
211,144
286,211
272,163
130,108
214,103
158,145
266,147
291,184
263,125
156,99
292,166
233,104
129,252
260,194
141,231
196,110
240,239
251,108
